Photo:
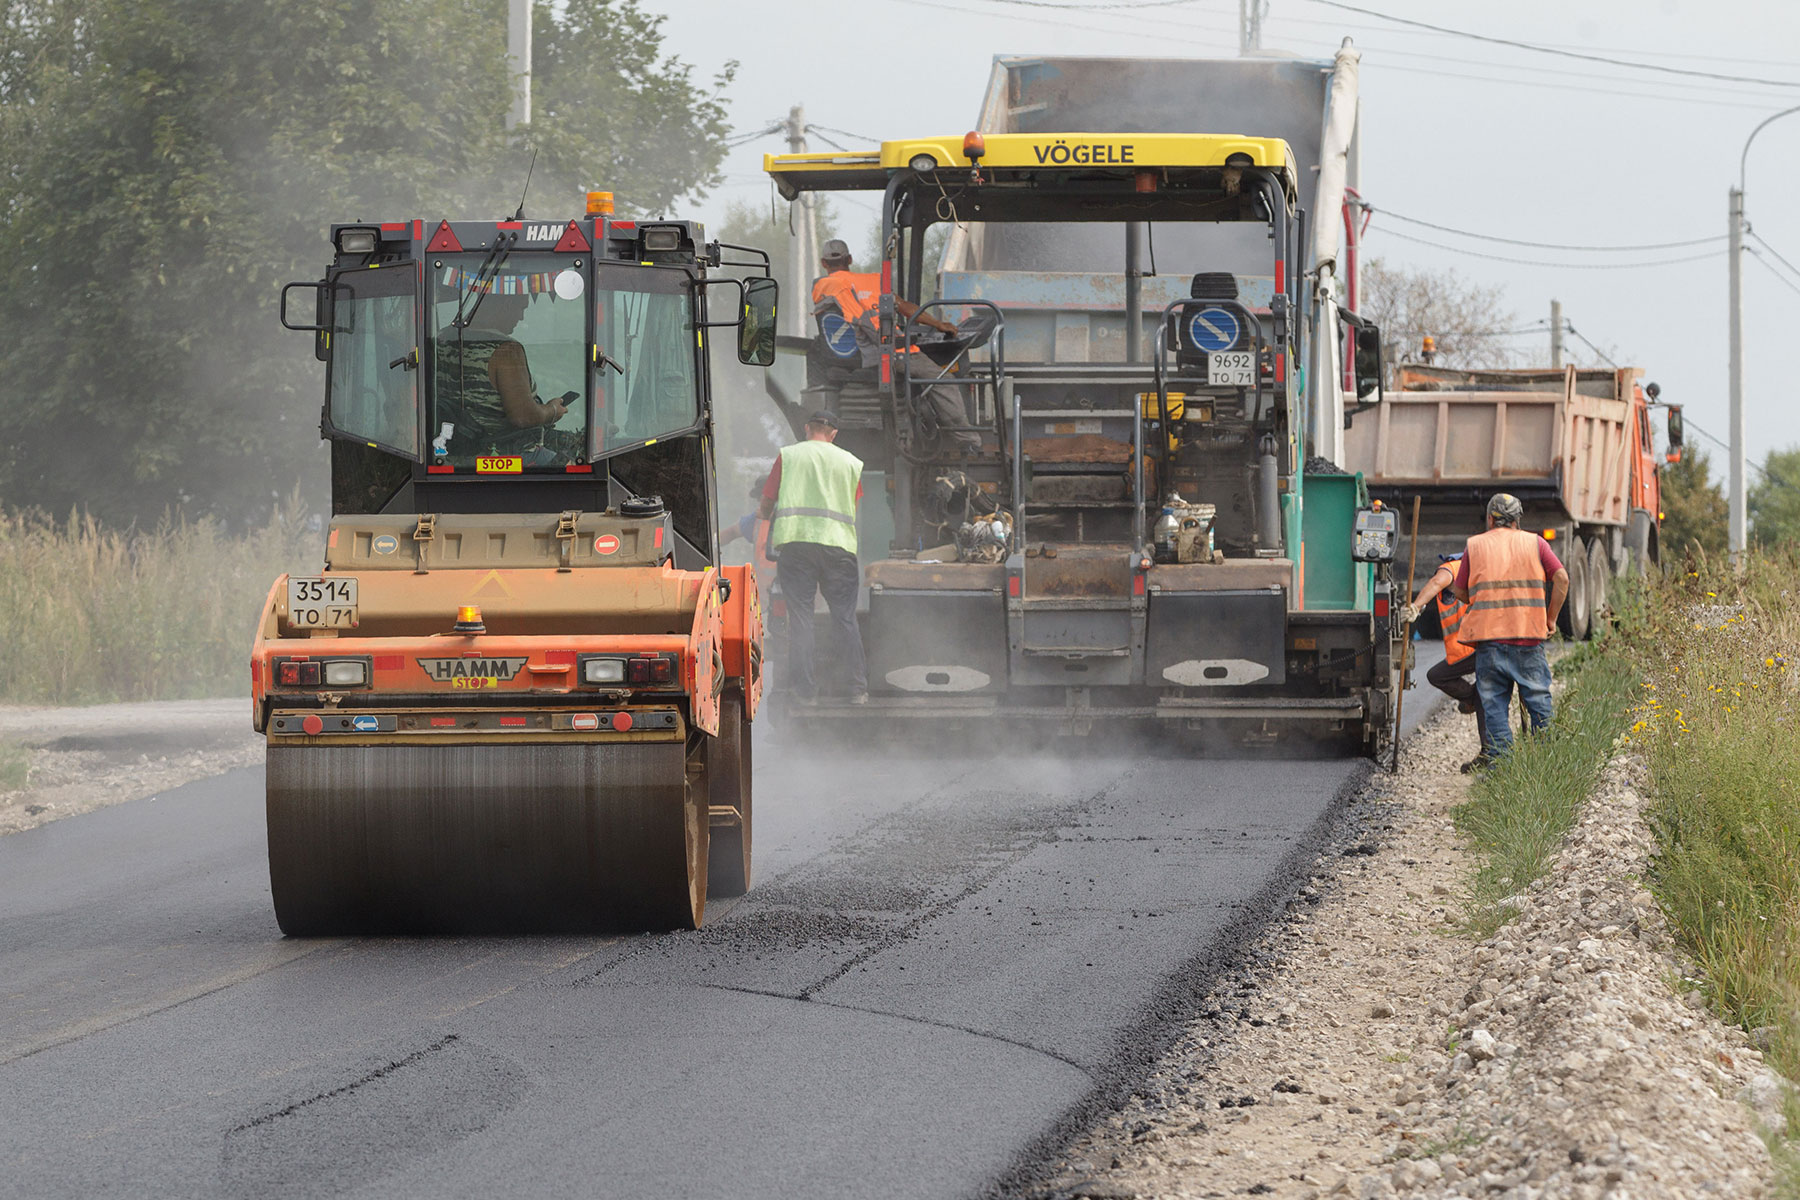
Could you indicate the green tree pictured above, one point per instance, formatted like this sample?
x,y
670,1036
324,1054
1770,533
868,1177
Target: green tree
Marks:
x,y
166,164
1694,509
1773,502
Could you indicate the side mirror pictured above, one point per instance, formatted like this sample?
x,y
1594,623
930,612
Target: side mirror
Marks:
x,y
1369,366
320,322
756,330
1676,429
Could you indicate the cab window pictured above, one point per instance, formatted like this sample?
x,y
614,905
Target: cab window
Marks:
x,y
371,387
647,385
508,369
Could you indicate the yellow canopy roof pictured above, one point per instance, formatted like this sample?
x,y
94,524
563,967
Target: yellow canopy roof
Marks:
x,y
1010,154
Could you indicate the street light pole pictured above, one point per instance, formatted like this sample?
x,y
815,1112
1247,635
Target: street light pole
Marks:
x,y
1737,510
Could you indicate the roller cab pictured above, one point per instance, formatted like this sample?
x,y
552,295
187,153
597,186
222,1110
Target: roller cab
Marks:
x,y
516,695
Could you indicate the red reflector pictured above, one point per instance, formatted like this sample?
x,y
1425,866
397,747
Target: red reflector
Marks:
x,y
1012,586
512,720
559,658
887,367
621,721
1137,585
435,470
393,227
627,226
573,239
1280,367
656,538
418,231
579,469
508,225
1280,275
390,662
1381,606
443,722
585,721
313,725
444,241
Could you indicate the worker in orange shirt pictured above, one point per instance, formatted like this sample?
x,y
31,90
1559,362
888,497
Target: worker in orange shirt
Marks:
x,y
855,296
1455,676
1503,578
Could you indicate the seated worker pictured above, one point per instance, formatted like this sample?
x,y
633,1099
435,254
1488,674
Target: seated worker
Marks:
x,y
1455,676
854,296
484,381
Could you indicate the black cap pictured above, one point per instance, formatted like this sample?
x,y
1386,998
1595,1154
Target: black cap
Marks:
x,y
833,250
822,417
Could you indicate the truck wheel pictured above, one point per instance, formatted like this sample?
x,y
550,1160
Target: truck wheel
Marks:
x,y
1600,579
728,774
1575,613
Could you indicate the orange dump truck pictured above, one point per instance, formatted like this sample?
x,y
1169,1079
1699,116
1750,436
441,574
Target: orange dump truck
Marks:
x,y
518,694
1576,446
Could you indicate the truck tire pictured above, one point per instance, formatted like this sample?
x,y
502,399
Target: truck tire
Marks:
x,y
1600,579
1574,619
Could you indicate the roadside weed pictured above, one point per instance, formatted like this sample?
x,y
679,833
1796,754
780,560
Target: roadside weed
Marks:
x,y
15,767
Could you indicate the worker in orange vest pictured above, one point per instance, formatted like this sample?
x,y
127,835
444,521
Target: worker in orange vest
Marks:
x,y
1455,676
1503,577
854,295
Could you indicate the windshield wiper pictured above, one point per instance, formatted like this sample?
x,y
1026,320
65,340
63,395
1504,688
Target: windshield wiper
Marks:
x,y
484,275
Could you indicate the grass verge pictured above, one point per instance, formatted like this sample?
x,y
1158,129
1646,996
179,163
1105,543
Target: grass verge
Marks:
x,y
1521,810
15,766
89,614
1720,728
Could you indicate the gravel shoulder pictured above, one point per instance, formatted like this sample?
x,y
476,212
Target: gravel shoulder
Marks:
x,y
1375,1051
87,758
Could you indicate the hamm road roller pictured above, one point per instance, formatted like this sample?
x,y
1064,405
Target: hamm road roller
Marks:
x,y
518,694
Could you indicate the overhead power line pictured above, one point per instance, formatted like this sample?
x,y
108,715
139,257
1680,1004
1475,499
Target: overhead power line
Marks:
x,y
1488,237
1537,262
1770,268
1552,50
1763,242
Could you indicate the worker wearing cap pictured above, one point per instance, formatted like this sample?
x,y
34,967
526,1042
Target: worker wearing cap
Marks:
x,y
811,499
1455,675
856,295
1503,577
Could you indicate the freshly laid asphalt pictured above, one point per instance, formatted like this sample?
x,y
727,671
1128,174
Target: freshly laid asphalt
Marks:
x,y
940,964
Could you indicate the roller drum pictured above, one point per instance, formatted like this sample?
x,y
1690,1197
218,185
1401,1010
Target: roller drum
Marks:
x,y
482,838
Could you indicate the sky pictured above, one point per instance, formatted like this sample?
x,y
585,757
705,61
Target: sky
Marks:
x,y
1490,139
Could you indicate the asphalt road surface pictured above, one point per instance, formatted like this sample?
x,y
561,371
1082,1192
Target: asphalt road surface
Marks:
x,y
940,964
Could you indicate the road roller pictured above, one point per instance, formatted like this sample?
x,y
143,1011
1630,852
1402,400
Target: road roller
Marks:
x,y
517,695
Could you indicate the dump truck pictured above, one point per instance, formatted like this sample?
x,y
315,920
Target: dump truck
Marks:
x,y
1150,349
517,695
1577,446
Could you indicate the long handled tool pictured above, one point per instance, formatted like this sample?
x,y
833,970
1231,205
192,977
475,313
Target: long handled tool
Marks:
x,y
1412,567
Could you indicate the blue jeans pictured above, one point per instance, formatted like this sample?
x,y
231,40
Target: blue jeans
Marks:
x,y
1498,669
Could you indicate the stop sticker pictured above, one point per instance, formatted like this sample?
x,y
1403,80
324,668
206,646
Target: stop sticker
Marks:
x,y
606,543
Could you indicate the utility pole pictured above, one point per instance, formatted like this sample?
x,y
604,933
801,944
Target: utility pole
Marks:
x,y
1556,332
802,250
518,61
1250,15
1738,538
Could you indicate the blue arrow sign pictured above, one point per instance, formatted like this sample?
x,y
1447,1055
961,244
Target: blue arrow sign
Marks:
x,y
365,724
839,335
1213,329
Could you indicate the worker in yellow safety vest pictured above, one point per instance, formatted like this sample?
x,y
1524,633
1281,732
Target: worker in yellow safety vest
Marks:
x,y
1455,675
810,498
1503,577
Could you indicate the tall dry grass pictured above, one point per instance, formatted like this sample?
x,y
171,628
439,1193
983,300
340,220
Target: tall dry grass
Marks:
x,y
89,614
